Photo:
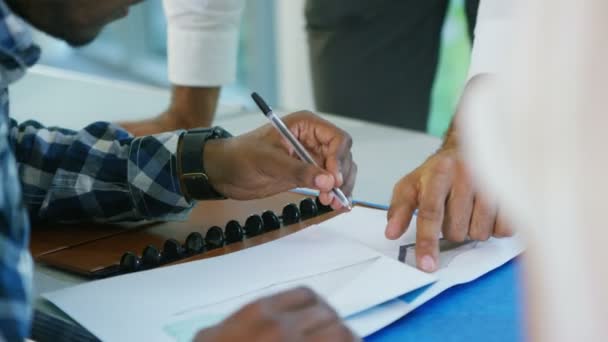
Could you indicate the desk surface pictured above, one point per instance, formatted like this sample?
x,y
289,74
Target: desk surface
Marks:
x,y
468,312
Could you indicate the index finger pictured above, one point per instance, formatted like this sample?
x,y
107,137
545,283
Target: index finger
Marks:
x,y
401,210
433,195
337,156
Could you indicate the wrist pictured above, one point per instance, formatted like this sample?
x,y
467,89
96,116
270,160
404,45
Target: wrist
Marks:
x,y
179,156
213,157
192,160
451,141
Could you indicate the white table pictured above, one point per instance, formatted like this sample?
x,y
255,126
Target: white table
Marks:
x,y
58,98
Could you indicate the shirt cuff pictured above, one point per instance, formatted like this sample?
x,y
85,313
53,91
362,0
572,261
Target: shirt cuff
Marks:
x,y
203,59
154,180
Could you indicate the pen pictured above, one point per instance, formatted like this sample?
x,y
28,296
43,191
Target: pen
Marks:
x,y
297,146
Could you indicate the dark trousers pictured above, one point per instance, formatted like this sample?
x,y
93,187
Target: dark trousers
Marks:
x,y
376,59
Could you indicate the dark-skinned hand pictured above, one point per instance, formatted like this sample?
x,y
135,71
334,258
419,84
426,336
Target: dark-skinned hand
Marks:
x,y
261,163
295,315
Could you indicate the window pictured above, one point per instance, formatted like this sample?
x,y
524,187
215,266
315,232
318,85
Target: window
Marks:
x,y
134,49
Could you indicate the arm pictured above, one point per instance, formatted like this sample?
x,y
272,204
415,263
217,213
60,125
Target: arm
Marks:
x,y
202,56
540,146
103,173
441,189
190,107
99,173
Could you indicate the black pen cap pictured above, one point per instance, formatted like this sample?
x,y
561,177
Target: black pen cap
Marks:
x,y
261,103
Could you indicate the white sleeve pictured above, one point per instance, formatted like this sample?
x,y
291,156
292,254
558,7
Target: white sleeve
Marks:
x,y
491,36
203,41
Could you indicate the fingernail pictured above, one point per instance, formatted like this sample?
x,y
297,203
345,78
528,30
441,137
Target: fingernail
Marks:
x,y
323,181
427,264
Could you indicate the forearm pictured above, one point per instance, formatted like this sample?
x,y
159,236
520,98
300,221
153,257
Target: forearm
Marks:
x,y
193,106
99,173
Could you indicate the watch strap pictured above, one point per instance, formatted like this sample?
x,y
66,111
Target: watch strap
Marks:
x,y
193,175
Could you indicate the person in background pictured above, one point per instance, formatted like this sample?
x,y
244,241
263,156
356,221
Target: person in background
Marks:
x,y
400,64
534,132
202,46
103,173
202,49
377,60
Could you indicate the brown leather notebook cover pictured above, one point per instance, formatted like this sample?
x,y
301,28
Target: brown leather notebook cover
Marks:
x,y
96,250
54,237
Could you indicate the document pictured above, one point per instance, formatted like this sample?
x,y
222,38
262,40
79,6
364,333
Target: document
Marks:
x,y
173,303
458,263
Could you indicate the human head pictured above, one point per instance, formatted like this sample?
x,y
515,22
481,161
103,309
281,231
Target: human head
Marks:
x,y
77,22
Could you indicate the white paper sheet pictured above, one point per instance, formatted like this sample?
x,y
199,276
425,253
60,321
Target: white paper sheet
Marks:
x,y
462,265
172,303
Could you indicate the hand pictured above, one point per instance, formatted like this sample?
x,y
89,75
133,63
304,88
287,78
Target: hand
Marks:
x,y
190,107
442,191
295,315
260,163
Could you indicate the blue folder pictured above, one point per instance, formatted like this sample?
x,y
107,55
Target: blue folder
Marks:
x,y
487,309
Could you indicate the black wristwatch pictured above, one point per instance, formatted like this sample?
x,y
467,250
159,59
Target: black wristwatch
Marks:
x,y
194,179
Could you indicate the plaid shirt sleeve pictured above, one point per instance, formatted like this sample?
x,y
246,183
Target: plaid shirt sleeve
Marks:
x,y
17,52
99,173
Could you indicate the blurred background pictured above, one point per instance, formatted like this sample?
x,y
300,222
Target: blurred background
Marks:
x,y
273,56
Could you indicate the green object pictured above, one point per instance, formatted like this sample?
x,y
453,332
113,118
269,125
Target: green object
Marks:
x,y
453,66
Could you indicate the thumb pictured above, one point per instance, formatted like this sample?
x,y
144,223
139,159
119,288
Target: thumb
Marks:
x,y
306,175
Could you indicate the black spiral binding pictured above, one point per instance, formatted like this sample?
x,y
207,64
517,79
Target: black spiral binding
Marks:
x,y
215,237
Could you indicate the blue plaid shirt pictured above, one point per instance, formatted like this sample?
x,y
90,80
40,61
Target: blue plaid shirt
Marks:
x,y
99,173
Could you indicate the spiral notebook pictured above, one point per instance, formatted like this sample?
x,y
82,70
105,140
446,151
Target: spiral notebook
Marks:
x,y
213,228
